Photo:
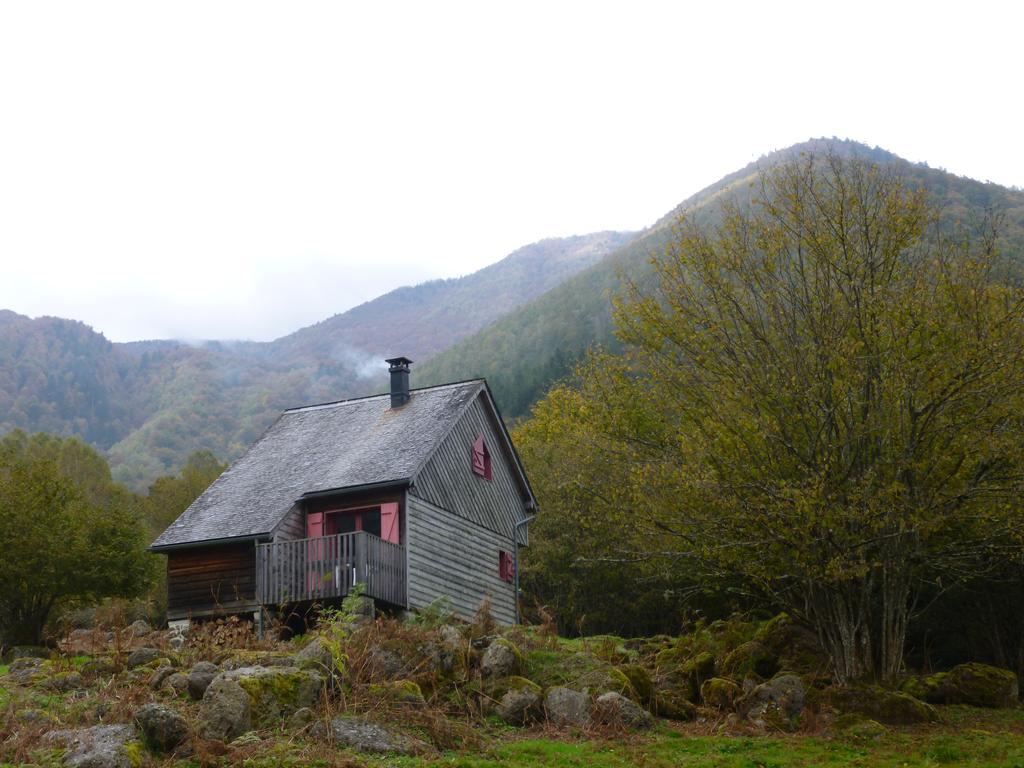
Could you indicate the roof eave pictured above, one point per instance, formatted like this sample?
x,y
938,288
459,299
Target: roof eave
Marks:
x,y
160,548
347,489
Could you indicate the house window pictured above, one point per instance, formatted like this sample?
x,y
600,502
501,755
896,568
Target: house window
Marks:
x,y
506,566
481,458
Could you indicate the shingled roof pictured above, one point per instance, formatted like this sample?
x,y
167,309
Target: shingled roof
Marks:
x,y
335,446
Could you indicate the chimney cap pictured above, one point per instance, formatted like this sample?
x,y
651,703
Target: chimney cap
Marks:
x,y
399,362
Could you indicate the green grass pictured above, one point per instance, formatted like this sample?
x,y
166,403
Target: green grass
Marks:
x,y
971,738
663,751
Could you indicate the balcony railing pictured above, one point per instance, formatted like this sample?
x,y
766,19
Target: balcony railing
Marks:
x,y
328,567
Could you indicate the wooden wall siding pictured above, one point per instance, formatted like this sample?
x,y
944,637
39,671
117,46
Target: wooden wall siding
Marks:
x,y
448,480
451,556
209,580
293,526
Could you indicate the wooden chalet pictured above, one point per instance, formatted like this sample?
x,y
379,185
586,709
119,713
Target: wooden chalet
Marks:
x,y
416,494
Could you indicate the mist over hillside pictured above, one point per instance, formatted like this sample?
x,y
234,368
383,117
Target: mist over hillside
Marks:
x,y
149,404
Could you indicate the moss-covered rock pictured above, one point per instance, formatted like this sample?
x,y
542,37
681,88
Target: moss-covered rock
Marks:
x,y
719,693
100,666
927,688
162,728
640,681
980,685
614,709
404,692
671,658
605,680
63,682
318,656
883,705
549,668
777,703
501,659
143,656
697,669
498,688
674,704
28,670
520,702
859,727
752,656
276,692
794,645
240,659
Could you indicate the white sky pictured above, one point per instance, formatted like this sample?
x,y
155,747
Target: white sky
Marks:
x,y
241,169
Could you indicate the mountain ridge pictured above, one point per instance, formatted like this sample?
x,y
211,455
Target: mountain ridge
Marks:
x,y
523,353
149,403
521,323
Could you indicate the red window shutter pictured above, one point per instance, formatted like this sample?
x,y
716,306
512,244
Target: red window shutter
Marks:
x,y
389,528
478,456
506,566
481,458
314,524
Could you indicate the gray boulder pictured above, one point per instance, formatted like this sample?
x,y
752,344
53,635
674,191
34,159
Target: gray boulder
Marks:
x,y
365,736
385,664
564,706
301,719
25,662
26,652
521,703
139,628
200,677
142,656
501,659
275,693
317,656
65,682
156,682
177,682
33,716
613,708
448,651
451,638
101,666
781,697
27,670
102,746
162,728
224,712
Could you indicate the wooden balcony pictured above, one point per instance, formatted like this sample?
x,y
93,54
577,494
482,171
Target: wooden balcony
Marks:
x,y
327,567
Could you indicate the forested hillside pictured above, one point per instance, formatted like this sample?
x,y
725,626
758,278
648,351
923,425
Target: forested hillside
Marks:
x,y
148,405
528,349
522,323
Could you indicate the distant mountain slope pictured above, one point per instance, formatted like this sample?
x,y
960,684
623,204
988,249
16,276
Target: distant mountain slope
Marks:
x,y
150,404
528,349
422,320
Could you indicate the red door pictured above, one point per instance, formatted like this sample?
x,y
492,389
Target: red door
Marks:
x,y
315,553
389,528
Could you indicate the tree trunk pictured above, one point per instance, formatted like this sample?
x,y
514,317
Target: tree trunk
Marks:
x,y
862,623
28,623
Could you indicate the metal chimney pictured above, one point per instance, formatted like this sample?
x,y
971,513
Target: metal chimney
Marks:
x,y
399,370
